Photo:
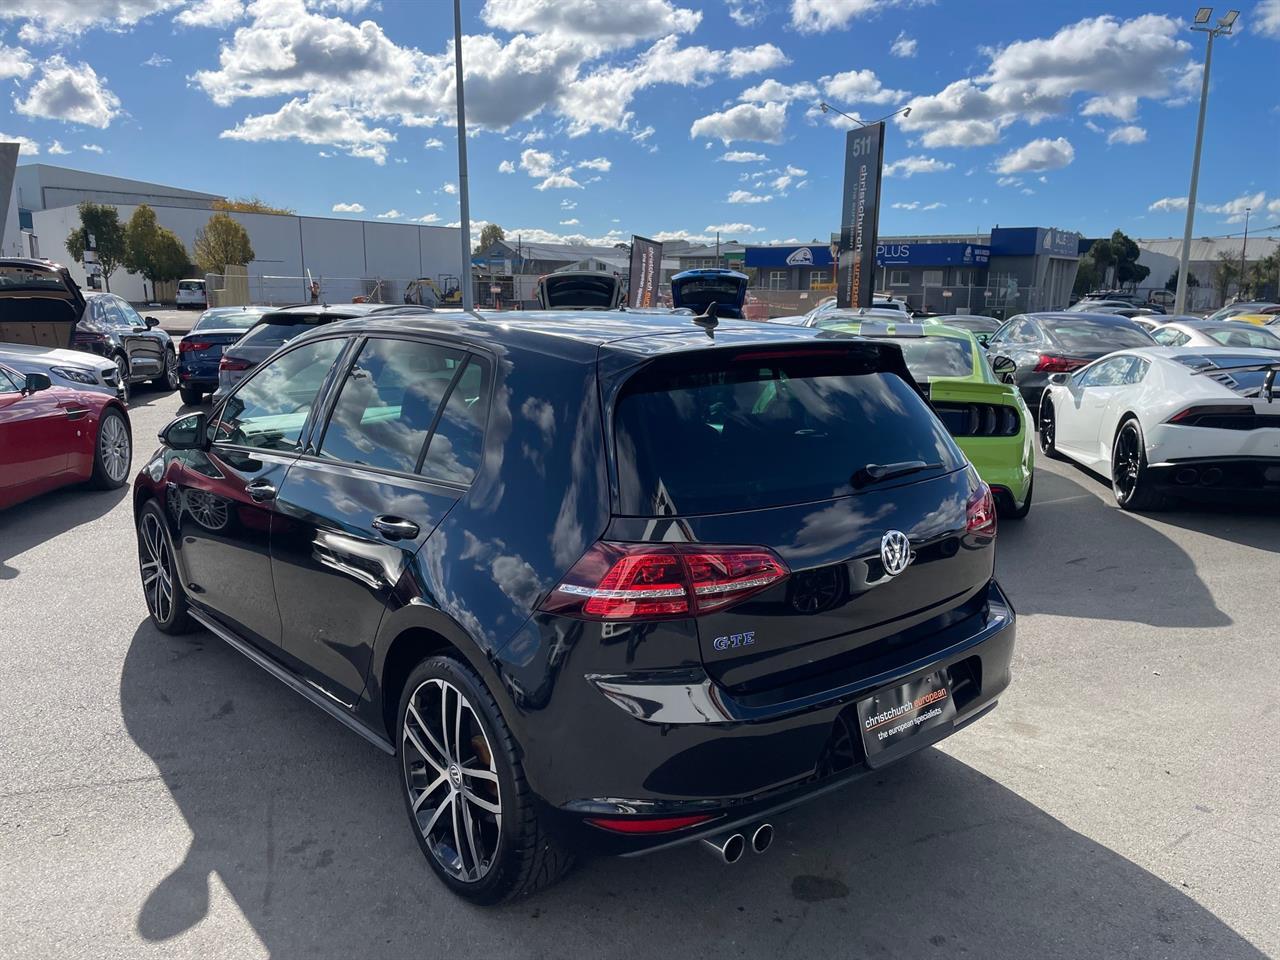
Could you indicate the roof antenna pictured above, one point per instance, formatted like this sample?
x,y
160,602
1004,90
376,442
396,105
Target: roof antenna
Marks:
x,y
708,320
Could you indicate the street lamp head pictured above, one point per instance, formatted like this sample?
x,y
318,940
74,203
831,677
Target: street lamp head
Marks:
x,y
1229,19
824,108
1203,15
906,112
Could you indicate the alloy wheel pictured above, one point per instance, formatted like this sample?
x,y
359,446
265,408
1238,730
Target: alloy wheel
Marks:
x,y
114,447
171,369
1126,462
122,372
156,561
1046,426
452,780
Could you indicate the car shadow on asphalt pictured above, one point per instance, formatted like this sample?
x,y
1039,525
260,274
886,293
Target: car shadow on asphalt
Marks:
x,y
28,524
1104,564
301,821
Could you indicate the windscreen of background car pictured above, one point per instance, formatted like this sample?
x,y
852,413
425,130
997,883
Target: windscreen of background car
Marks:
x,y
929,357
1087,335
715,435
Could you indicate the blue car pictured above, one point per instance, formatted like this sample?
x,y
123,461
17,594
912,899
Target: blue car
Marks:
x,y
200,351
698,289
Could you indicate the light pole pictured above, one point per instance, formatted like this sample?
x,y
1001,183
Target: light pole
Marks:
x,y
828,108
1244,243
464,200
1203,15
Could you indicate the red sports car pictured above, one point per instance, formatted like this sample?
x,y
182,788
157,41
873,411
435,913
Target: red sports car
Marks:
x,y
54,436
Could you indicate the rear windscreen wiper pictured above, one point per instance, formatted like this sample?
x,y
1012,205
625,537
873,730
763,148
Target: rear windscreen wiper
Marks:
x,y
878,472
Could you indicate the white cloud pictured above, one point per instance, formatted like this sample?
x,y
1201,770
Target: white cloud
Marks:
x,y
537,163
312,121
771,91
909,166
726,228
742,156
640,136
860,86
1129,134
601,25
745,196
1041,154
15,63
449,188
796,171
603,164
781,183
1273,206
559,181
46,20
746,13
433,143
506,166
903,46
567,204
426,218
1027,190
1169,204
1116,107
1008,181
157,60
746,60
1266,19
746,121
813,16
1233,210
56,148
913,205
91,148
936,205
26,146
392,214
348,208
73,93
210,13
571,222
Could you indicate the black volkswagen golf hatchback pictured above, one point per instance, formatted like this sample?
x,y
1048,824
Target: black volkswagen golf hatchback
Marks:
x,y
603,582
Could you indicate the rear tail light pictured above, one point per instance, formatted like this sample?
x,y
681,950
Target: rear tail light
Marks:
x,y
659,825
1048,363
231,363
644,581
189,346
1224,416
981,511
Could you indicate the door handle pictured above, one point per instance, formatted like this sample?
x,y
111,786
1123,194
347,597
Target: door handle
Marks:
x,y
395,528
260,490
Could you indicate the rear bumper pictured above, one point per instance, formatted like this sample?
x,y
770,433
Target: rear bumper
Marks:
x,y
200,374
1214,477
675,749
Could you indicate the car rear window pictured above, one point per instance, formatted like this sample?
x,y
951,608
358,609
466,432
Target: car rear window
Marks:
x,y
929,357
273,334
715,434
190,284
235,320
1082,334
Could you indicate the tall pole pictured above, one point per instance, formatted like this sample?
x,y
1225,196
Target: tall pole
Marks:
x,y
1244,243
1180,300
464,201
718,244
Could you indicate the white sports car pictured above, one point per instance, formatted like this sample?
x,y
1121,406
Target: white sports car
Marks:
x,y
1164,421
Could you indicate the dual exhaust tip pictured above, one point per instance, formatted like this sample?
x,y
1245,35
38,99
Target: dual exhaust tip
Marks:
x,y
731,847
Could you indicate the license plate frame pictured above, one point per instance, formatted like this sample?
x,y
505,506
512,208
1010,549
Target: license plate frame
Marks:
x,y
906,717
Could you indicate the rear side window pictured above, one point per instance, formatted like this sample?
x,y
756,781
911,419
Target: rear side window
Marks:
x,y
1084,334
8,384
929,357
458,441
388,402
741,433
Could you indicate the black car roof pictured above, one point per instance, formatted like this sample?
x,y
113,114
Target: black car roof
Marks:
x,y
578,333
318,312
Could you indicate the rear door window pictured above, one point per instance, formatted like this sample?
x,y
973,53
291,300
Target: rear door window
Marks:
x,y
715,435
458,440
388,403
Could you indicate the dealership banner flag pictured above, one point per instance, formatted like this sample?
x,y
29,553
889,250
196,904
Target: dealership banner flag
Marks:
x,y
646,270
860,215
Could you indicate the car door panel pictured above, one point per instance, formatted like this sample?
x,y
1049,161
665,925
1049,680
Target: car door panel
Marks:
x,y
36,435
144,346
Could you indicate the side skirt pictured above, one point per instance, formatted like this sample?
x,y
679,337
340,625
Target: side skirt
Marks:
x,y
312,694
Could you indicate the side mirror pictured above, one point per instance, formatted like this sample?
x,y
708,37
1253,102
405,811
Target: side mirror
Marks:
x,y
1060,379
983,339
36,382
1003,368
186,433
151,322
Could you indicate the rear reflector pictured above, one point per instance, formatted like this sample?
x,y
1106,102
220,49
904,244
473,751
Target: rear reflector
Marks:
x,y
982,513
230,363
646,581
662,825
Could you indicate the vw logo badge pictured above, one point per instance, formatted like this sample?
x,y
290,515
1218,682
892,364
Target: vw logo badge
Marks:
x,y
895,552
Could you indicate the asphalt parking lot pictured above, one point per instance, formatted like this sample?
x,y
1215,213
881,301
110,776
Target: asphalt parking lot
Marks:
x,y
164,796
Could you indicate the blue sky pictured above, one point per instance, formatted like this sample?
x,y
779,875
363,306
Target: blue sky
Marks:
x,y
600,118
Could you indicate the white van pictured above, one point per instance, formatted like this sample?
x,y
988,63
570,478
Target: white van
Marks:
x,y
191,294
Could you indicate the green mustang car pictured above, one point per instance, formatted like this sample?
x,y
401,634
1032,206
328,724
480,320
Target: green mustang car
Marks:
x,y
988,418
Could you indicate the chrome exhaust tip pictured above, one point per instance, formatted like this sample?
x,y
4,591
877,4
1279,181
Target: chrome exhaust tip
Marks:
x,y
762,838
729,847
1187,475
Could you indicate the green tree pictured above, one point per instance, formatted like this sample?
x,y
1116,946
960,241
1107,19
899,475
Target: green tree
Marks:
x,y
1086,274
490,234
248,205
1264,276
220,242
1172,283
1226,272
102,222
1129,272
152,250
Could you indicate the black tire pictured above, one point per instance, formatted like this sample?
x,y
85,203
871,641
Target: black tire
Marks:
x,y
122,372
1130,477
1047,428
1017,512
191,395
526,856
112,451
173,617
169,379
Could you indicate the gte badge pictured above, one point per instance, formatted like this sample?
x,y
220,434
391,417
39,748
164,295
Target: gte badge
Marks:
x,y
734,640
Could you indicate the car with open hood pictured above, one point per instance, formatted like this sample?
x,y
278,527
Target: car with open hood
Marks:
x,y
698,289
579,290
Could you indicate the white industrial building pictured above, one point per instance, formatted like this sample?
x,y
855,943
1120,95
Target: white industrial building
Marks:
x,y
348,258
1162,256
